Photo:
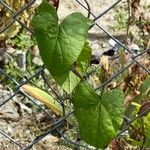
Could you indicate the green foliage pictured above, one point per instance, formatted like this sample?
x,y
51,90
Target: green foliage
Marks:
x,y
17,73
101,115
81,65
139,134
23,41
144,90
63,47
66,54
83,60
63,42
146,125
121,18
140,131
14,71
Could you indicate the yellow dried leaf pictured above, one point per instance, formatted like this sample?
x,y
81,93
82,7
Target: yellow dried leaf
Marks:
x,y
47,100
104,62
43,97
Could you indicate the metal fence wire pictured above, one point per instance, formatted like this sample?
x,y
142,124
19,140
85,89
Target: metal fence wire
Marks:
x,y
57,123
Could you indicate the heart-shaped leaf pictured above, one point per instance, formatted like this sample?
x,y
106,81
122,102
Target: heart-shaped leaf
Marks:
x,y
60,44
99,117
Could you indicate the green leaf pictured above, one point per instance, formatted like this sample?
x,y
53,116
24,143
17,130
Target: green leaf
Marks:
x,y
144,95
83,61
60,44
144,90
68,82
147,135
99,117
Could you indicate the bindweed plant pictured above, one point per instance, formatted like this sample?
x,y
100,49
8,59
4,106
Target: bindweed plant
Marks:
x,y
66,53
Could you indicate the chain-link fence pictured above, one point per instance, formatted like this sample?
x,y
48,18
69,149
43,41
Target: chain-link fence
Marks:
x,y
57,123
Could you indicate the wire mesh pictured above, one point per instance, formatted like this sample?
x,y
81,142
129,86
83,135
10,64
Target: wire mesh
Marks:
x,y
56,124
